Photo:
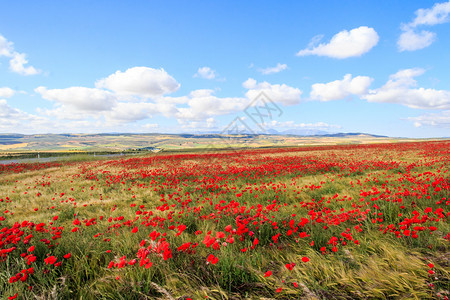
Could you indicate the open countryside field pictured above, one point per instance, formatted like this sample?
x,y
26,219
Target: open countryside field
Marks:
x,y
324,222
18,143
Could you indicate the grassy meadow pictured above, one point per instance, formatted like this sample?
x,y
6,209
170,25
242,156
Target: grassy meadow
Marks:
x,y
322,222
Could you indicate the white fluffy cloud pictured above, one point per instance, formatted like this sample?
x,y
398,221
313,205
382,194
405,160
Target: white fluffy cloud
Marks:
x,y
340,89
17,65
150,126
78,103
206,73
345,44
13,119
438,14
148,99
131,112
6,92
140,81
203,104
6,47
280,93
271,70
18,61
441,119
208,124
80,98
65,112
6,111
411,39
400,89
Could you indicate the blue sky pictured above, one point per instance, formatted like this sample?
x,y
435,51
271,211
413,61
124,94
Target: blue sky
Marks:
x,y
379,67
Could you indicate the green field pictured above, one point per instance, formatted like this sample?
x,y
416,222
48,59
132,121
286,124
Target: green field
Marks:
x,y
324,222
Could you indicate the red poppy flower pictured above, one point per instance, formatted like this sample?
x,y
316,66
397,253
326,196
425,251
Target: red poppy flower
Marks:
x,y
50,260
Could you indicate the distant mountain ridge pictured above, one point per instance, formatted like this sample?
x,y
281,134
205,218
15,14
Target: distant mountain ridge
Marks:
x,y
343,134
205,134
290,132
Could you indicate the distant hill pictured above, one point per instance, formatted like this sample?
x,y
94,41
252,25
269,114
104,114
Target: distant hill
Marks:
x,y
343,134
117,142
11,136
295,132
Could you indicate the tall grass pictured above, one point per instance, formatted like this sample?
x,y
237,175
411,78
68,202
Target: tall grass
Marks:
x,y
382,265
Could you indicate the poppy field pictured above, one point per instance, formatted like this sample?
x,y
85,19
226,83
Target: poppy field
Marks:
x,y
328,222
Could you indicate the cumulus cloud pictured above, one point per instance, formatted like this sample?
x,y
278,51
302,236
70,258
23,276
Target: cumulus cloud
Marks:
x,y
6,92
208,124
17,65
131,112
6,47
345,44
203,104
206,73
411,39
340,89
441,119
115,104
7,111
280,93
400,89
438,14
65,112
66,118
12,119
80,98
18,61
140,81
249,83
110,100
271,70
150,126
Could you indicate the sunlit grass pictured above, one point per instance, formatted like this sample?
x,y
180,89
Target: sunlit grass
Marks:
x,y
339,194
